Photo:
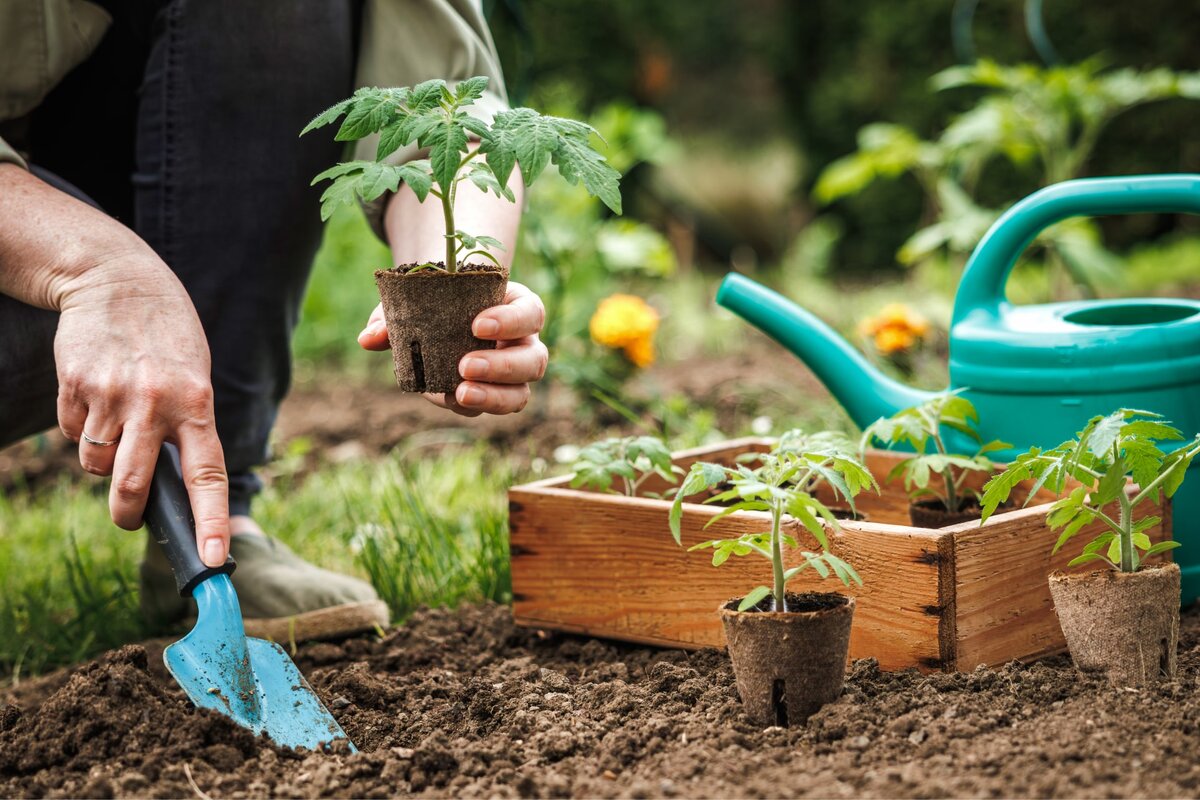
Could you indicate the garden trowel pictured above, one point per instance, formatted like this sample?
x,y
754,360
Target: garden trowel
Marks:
x,y
251,681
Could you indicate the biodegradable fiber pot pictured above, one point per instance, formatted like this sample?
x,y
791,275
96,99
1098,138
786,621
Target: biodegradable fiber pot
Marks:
x,y
789,664
932,513
429,315
1121,624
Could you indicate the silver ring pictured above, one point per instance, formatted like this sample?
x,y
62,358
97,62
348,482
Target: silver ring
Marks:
x,y
100,443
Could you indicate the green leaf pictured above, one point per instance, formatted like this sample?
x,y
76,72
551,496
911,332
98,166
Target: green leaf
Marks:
x,y
1087,558
447,143
481,175
343,191
844,571
578,162
1162,547
470,90
1082,519
1111,484
754,598
426,96
328,115
1103,434
368,114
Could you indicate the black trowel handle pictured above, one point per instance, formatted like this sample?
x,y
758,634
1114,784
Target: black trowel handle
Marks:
x,y
169,518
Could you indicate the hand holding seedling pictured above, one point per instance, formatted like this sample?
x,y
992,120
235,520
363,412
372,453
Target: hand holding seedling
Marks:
x,y
782,485
1102,454
495,381
460,176
920,425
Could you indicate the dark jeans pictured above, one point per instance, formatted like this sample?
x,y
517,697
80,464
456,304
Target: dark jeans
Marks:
x,y
183,125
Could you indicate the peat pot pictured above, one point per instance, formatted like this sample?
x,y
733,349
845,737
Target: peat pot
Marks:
x,y
429,315
788,664
931,513
1124,625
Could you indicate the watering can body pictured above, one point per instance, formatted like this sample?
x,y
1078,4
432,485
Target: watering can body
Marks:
x,y
1036,373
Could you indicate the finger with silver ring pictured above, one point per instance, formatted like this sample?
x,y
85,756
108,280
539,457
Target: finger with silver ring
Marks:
x,y
98,445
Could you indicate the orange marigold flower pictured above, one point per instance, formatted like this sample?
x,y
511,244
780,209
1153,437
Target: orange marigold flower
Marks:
x,y
895,328
893,339
640,351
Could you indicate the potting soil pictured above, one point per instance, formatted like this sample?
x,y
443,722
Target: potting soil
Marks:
x,y
462,703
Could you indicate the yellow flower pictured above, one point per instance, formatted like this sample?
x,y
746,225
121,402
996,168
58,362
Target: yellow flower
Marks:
x,y
623,320
641,351
895,328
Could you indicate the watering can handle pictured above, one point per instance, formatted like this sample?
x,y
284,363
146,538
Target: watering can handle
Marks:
x,y
169,518
983,281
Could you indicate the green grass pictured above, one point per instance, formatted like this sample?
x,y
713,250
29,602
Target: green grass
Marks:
x,y
425,526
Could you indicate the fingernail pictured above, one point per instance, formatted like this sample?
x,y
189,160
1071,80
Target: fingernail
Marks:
x,y
214,552
486,327
471,396
474,368
374,329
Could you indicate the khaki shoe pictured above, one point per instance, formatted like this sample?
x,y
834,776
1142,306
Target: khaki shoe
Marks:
x,y
283,597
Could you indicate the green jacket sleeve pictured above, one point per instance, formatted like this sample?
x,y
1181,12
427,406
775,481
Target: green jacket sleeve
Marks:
x,y
10,156
405,42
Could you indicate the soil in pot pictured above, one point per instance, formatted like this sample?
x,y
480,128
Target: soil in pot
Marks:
x,y
788,664
931,513
1124,625
429,315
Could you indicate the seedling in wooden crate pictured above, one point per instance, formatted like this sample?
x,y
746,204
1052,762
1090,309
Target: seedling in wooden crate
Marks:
x,y
950,500
1122,621
623,465
788,651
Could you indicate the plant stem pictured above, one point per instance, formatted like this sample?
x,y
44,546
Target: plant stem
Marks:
x,y
948,478
1127,564
448,216
777,556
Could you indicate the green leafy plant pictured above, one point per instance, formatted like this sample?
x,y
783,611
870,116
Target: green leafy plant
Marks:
x,y
626,463
1042,120
782,484
433,116
920,425
1097,460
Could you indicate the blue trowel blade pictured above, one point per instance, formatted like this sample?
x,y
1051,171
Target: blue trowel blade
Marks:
x,y
249,680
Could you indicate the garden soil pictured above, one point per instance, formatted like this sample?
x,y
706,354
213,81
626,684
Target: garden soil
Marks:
x,y
465,704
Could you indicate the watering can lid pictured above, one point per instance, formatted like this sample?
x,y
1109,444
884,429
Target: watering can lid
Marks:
x,y
1120,344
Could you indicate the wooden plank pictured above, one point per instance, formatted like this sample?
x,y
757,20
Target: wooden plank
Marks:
x,y
1004,610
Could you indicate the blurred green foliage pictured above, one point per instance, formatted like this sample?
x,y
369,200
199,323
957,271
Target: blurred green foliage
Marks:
x,y
1043,121
818,71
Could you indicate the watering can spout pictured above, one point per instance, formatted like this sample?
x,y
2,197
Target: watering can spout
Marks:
x,y
865,392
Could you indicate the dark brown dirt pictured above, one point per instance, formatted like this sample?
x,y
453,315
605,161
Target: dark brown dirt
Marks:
x,y
464,704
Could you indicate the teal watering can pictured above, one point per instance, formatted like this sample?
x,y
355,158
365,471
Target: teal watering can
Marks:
x,y
1036,373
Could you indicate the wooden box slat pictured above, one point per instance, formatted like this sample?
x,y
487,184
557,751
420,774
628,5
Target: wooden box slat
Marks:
x,y
606,565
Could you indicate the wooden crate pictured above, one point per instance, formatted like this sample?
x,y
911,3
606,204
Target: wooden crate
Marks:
x,y
946,599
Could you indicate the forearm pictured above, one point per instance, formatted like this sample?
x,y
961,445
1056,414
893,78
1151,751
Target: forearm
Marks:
x,y
51,243
416,230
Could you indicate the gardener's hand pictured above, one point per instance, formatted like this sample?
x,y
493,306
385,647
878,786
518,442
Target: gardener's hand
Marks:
x,y
494,381
131,356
